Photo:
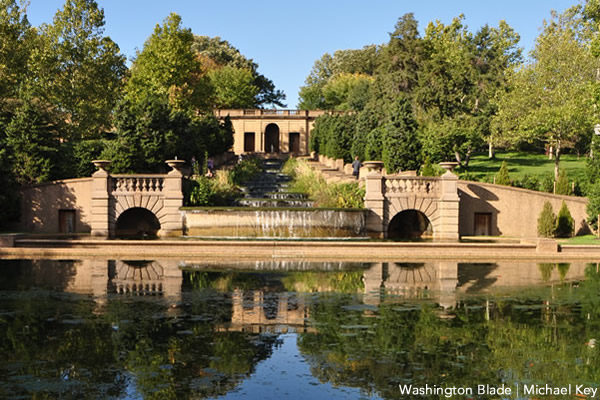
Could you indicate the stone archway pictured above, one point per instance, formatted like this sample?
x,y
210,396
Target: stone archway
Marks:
x,y
272,138
138,223
410,224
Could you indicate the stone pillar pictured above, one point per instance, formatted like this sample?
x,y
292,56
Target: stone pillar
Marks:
x,y
447,226
171,223
99,220
374,199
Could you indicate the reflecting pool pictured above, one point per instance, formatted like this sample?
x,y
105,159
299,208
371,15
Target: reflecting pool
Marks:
x,y
177,329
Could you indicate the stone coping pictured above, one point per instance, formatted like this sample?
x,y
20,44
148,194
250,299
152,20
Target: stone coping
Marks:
x,y
295,249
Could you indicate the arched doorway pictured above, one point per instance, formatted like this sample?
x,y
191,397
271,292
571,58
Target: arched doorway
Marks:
x,y
272,139
137,223
410,224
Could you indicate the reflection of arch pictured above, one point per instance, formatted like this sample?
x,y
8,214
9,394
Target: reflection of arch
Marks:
x,y
272,138
409,224
137,222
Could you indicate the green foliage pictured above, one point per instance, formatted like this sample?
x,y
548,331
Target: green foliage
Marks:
x,y
332,136
16,41
564,222
546,221
563,186
77,70
33,141
151,131
83,153
429,169
203,191
593,206
246,170
502,177
527,182
167,67
9,198
220,53
400,146
340,195
233,88
549,99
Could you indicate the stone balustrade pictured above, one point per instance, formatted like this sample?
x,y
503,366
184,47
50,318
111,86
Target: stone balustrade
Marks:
x,y
137,183
416,185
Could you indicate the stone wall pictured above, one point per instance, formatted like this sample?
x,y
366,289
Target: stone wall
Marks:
x,y
41,205
514,211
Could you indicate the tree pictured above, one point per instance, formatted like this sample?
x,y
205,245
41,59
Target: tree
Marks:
x,y
502,177
233,87
546,221
77,71
33,140
348,62
16,39
401,148
150,131
551,99
564,222
216,53
168,67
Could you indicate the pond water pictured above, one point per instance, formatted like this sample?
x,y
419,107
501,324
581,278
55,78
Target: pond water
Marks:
x,y
170,329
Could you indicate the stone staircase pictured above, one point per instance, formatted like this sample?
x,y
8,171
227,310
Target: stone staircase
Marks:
x,y
270,189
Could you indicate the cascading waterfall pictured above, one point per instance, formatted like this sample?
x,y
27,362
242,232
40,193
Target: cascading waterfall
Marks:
x,y
270,209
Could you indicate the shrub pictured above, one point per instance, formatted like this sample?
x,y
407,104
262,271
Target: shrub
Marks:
x,y
547,183
246,170
202,192
564,222
562,184
546,221
593,207
526,181
340,195
502,177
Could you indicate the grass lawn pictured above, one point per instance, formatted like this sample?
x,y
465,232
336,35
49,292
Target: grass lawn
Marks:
x,y
522,163
585,239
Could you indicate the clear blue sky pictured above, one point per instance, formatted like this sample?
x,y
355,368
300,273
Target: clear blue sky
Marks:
x,y
285,38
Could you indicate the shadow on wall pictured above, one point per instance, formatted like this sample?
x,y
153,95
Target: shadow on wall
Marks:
x,y
54,208
476,215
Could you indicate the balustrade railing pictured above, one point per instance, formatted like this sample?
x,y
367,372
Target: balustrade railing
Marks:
x,y
137,183
423,186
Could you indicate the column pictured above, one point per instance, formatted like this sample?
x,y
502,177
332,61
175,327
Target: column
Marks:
x,y
171,223
100,200
447,227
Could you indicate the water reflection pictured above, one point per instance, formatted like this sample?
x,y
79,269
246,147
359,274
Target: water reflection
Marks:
x,y
173,329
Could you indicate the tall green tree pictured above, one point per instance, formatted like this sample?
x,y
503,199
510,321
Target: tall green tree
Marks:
x,y
16,39
168,67
77,70
233,87
216,53
551,99
401,147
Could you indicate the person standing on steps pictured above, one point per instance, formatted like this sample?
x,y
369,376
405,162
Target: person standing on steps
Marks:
x,y
356,167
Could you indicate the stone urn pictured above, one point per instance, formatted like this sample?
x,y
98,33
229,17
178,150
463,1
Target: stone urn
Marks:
x,y
101,164
373,167
175,164
448,166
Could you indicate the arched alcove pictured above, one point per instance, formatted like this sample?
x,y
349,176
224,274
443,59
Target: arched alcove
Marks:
x,y
272,138
410,224
137,223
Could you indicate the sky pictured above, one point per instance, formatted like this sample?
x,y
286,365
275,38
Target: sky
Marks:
x,y
285,38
